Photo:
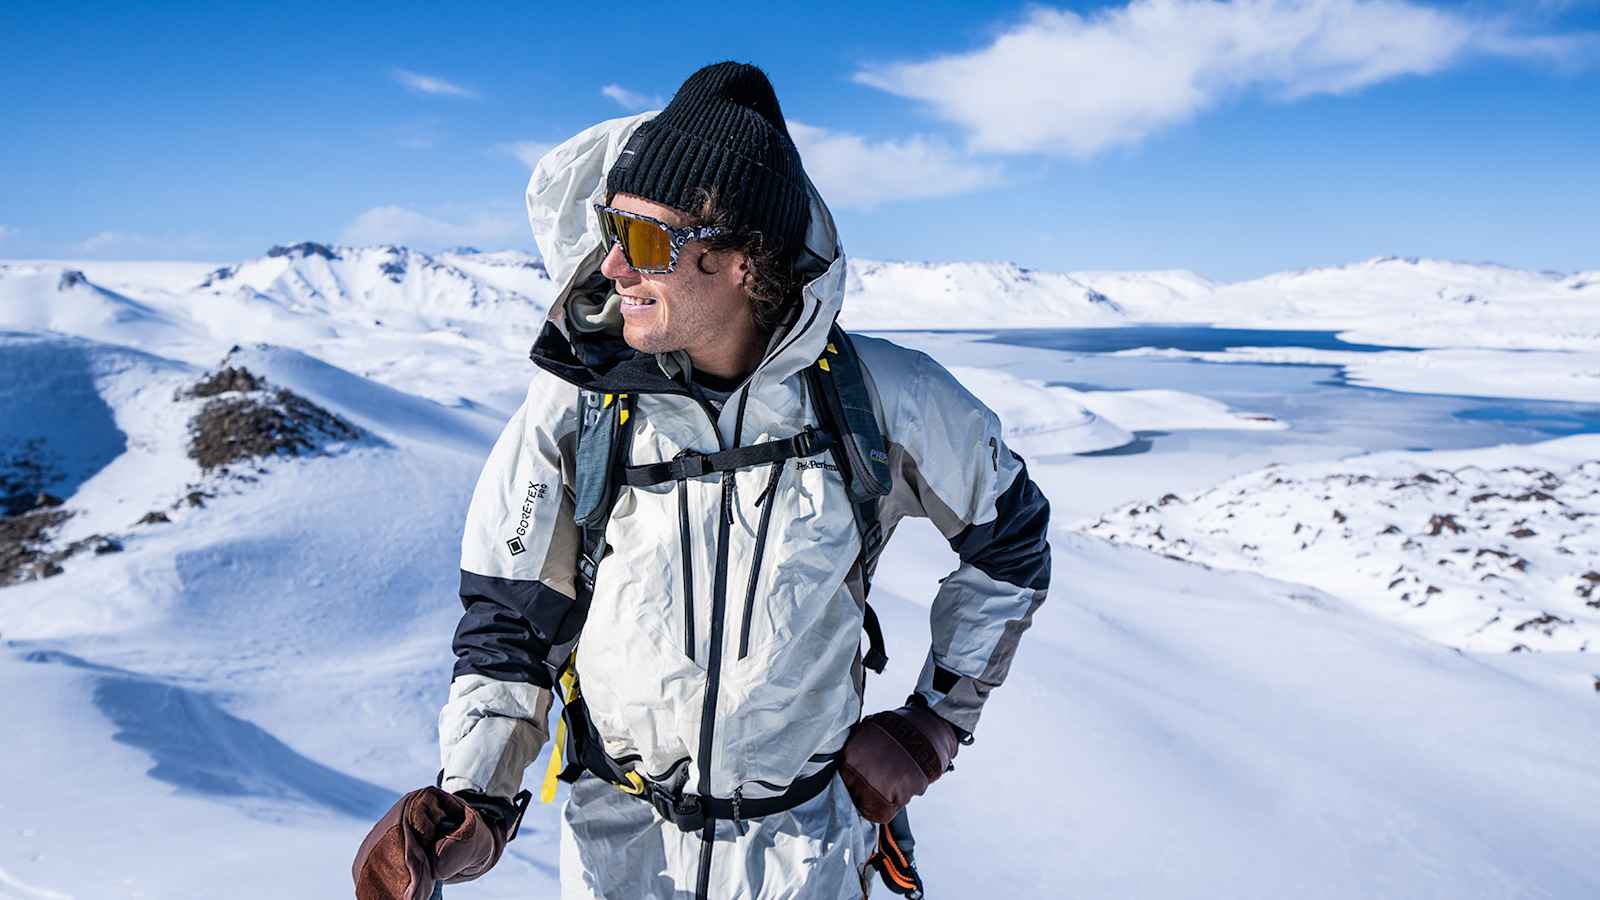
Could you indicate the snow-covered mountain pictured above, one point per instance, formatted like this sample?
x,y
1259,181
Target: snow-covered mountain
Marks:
x,y
311,276
1431,303
973,295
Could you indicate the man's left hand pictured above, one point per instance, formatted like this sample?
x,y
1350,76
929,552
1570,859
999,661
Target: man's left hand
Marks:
x,y
893,756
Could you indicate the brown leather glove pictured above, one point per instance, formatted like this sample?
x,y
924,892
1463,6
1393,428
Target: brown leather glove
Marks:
x,y
893,756
429,836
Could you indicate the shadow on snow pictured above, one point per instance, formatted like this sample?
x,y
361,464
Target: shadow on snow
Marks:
x,y
199,747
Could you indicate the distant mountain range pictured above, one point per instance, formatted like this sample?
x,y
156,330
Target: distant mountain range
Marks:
x,y
1434,302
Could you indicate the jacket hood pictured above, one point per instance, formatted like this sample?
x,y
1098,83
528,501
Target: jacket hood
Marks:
x,y
582,340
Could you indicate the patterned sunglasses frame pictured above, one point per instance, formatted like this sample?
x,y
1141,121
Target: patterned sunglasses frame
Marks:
x,y
677,237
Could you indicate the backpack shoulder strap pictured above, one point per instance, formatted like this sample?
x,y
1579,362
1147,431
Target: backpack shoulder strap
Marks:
x,y
839,392
604,429
849,402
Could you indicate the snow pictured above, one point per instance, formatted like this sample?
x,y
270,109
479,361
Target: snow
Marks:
x,y
1495,549
1545,374
1039,418
223,707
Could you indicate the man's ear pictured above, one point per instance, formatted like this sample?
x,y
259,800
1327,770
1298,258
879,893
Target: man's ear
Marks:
x,y
737,264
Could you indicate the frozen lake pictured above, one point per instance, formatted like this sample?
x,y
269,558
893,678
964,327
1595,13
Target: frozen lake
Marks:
x,y
1328,416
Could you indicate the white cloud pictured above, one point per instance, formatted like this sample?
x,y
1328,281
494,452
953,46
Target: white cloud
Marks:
x,y
1061,83
136,245
492,227
633,101
530,152
427,84
851,171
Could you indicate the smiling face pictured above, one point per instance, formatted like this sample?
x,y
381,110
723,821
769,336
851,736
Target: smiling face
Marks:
x,y
699,307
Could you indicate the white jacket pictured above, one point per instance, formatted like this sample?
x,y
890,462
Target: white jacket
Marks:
x,y
774,697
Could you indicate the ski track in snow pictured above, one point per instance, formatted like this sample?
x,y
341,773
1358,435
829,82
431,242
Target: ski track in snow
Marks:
x,y
253,680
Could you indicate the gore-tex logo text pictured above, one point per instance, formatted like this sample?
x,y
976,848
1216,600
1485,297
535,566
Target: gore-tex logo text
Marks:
x,y
536,492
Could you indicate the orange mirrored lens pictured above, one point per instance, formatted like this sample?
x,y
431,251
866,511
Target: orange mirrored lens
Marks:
x,y
645,245
648,247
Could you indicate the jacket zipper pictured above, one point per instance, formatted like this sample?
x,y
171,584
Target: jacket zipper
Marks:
x,y
708,712
761,546
719,597
688,570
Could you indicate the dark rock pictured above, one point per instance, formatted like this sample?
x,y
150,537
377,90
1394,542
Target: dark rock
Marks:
x,y
1524,533
71,278
1545,623
1439,523
230,379
153,517
303,250
25,542
216,275
254,421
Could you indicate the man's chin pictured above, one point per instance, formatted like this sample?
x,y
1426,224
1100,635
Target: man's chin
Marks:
x,y
647,342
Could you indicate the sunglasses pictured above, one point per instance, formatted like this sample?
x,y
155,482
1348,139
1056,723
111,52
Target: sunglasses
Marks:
x,y
649,245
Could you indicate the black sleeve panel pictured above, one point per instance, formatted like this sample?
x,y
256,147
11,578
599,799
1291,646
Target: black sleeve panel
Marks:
x,y
1012,547
505,632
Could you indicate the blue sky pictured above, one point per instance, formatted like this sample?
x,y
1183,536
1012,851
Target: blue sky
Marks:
x,y
1231,139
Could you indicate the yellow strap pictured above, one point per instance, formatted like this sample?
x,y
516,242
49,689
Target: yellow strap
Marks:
x,y
832,348
824,364
605,400
635,784
547,793
569,692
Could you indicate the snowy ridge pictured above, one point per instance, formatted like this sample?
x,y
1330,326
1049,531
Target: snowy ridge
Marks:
x,y
335,279
44,298
974,295
1490,550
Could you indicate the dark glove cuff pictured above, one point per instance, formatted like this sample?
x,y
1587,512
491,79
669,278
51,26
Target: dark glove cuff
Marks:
x,y
963,736
496,811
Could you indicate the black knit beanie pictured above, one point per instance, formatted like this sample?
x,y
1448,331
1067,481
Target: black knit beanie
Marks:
x,y
723,131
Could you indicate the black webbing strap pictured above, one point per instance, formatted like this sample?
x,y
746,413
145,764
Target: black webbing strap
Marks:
x,y
690,812
877,657
692,465
687,811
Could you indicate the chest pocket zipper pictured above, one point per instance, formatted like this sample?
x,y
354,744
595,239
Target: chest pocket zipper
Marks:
x,y
764,500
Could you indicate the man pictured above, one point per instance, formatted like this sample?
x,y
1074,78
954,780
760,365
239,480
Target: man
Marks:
x,y
714,693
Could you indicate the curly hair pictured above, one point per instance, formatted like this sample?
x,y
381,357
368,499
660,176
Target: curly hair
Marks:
x,y
770,280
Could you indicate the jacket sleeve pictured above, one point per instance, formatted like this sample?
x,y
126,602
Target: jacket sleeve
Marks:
x,y
952,466
518,555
